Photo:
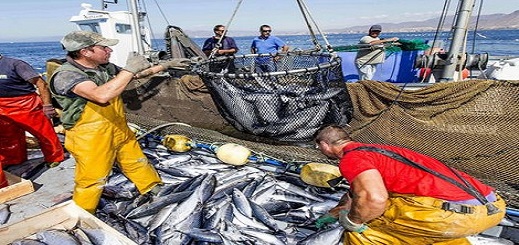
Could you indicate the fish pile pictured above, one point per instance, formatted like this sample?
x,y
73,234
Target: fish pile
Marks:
x,y
205,201
75,236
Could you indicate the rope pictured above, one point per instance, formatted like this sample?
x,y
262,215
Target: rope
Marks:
x,y
328,45
441,22
314,39
213,52
159,127
162,12
475,31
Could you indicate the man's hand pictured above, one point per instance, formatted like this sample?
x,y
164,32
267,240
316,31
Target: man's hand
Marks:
x,y
49,111
178,63
350,225
136,63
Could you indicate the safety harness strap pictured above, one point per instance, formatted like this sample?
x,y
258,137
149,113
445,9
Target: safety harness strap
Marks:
x,y
465,186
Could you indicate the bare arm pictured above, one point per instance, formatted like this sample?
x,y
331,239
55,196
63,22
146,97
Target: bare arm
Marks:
x,y
284,49
226,51
43,90
375,42
344,204
113,88
369,197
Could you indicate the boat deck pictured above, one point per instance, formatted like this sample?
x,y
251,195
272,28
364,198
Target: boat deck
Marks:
x,y
54,186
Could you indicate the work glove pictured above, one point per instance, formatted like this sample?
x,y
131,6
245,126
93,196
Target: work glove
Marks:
x,y
348,224
49,111
324,220
178,63
136,63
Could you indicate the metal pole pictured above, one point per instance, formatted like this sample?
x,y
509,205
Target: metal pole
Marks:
x,y
134,11
458,39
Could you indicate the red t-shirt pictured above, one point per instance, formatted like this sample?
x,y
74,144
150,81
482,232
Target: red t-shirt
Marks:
x,y
401,178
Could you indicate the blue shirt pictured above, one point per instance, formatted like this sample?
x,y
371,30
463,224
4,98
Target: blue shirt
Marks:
x,y
14,77
269,45
227,43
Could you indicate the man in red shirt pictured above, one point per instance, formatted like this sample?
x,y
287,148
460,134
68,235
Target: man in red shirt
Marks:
x,y
399,196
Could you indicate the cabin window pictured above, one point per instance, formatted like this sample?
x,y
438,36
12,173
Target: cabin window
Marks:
x,y
93,27
123,28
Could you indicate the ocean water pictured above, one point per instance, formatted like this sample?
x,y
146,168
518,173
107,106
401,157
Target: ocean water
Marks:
x,y
494,42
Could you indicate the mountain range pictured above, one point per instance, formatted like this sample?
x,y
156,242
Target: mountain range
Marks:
x,y
485,22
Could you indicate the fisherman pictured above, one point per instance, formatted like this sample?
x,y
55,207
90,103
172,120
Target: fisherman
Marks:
x,y
393,201
25,105
267,44
220,45
369,57
88,88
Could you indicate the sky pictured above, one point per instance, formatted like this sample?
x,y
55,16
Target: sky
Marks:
x,y
47,20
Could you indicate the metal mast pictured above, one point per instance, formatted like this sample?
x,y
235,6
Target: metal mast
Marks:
x,y
137,36
458,40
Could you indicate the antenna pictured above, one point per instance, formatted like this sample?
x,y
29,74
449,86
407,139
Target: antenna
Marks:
x,y
104,3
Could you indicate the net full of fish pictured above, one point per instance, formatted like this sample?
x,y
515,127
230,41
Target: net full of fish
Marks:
x,y
204,201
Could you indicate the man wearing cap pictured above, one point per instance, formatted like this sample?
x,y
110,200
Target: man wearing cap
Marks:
x,y
88,87
371,52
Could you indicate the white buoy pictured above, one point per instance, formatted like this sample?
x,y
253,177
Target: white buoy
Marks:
x,y
233,154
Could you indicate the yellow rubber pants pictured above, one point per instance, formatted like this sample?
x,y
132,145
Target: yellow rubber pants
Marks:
x,y
99,138
420,220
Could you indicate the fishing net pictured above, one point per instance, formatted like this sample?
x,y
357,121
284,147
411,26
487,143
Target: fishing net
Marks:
x,y
469,125
403,45
282,96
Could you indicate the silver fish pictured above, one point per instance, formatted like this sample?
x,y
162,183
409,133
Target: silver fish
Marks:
x,y
100,236
57,237
157,204
28,242
5,213
241,202
329,236
266,237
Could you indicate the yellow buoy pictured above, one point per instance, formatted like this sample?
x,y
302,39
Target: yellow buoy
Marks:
x,y
177,143
233,154
318,174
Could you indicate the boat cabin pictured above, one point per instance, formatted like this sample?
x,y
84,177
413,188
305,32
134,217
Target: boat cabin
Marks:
x,y
117,25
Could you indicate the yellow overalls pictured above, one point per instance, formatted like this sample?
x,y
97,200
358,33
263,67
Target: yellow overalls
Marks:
x,y
420,221
98,139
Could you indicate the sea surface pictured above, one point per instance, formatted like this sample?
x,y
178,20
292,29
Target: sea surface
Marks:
x,y
493,42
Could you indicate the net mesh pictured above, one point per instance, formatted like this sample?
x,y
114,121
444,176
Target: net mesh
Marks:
x,y
469,125
282,96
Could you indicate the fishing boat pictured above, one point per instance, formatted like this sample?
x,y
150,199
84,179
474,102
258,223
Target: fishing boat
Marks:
x,y
287,106
447,120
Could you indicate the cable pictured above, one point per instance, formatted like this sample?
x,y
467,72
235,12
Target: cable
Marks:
x,y
474,36
159,127
328,45
441,22
213,52
303,9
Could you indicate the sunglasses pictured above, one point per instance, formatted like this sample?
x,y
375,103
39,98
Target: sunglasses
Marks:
x,y
266,30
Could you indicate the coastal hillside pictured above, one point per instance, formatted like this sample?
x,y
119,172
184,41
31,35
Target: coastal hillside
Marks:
x,y
486,22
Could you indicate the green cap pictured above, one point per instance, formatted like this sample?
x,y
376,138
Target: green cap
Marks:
x,y
77,40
